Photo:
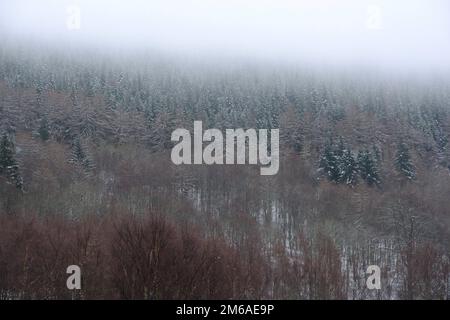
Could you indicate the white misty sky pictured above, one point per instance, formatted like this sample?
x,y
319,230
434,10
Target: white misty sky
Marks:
x,y
389,33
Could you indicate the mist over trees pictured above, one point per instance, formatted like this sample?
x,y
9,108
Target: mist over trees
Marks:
x,y
85,172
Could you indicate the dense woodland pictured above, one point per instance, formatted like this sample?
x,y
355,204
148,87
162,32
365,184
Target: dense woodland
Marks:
x,y
86,179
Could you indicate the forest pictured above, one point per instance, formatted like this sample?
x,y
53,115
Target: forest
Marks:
x,y
86,179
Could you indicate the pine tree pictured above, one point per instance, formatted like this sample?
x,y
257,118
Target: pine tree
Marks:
x,y
39,91
367,168
73,96
6,154
43,129
377,154
81,156
340,149
78,153
329,163
403,162
8,164
349,169
15,177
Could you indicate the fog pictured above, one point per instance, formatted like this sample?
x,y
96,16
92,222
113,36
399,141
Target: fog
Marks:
x,y
412,34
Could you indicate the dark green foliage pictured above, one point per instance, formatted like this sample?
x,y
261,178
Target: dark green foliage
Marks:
x,y
349,169
44,133
8,164
340,149
81,156
6,154
39,91
338,164
403,162
367,167
329,163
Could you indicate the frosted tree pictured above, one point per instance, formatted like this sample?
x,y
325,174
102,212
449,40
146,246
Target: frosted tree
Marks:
x,y
329,164
44,133
367,168
8,164
348,169
81,156
403,163
340,150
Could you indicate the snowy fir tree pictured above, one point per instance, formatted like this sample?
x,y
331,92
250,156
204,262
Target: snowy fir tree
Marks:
x,y
44,133
348,169
329,164
8,164
367,168
81,157
403,163
340,149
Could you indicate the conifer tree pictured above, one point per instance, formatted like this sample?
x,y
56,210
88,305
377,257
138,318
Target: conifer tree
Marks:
x,y
81,156
43,129
329,163
367,168
340,149
8,164
349,169
403,162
